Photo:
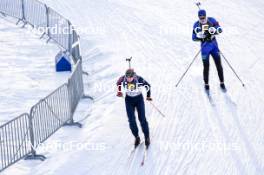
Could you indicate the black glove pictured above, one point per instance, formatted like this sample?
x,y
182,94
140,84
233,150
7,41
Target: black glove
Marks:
x,y
149,99
208,36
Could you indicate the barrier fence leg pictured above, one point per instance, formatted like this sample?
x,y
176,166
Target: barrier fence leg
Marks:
x,y
84,95
87,97
71,121
23,13
19,20
33,155
3,14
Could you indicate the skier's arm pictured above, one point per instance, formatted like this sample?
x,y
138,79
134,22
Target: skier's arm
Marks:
x,y
217,29
146,85
194,37
119,86
195,32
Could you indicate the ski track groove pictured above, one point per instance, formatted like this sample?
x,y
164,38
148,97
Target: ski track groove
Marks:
x,y
231,106
236,158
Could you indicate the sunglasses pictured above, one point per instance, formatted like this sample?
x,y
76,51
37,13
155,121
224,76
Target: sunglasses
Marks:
x,y
129,76
202,17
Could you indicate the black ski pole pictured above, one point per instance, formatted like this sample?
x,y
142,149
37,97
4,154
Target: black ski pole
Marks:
x,y
163,115
188,68
232,68
129,62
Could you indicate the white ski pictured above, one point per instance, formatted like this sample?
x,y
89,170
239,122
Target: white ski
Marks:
x,y
132,152
144,156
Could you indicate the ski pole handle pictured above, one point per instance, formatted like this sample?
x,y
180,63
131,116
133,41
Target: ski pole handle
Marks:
x,y
198,4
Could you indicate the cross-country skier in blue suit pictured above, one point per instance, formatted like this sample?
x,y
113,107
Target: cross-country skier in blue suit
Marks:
x,y
204,30
134,100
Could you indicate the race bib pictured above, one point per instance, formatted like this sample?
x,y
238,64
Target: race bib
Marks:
x,y
205,27
132,90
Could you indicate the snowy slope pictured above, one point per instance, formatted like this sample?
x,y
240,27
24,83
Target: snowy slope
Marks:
x,y
198,136
27,69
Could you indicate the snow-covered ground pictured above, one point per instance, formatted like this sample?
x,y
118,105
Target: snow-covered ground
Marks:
x,y
27,69
197,136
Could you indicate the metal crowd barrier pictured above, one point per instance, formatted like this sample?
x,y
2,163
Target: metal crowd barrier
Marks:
x,y
52,24
12,8
20,137
49,114
14,141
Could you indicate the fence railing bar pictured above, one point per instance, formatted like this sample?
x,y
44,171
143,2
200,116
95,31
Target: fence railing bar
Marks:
x,y
46,124
2,152
12,120
35,123
12,139
54,115
20,145
15,133
33,155
19,132
7,147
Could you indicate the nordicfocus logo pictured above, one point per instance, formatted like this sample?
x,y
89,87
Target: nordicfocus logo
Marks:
x,y
70,146
134,87
166,146
59,29
211,30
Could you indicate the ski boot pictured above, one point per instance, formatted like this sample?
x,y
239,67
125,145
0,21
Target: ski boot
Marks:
x,y
137,141
207,87
222,86
147,142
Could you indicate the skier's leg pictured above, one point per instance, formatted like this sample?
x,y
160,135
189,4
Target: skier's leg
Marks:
x,y
141,116
217,59
206,63
130,108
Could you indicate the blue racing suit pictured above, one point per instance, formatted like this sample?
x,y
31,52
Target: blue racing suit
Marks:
x,y
209,47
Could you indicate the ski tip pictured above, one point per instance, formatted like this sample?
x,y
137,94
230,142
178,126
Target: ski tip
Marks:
x,y
136,146
142,164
